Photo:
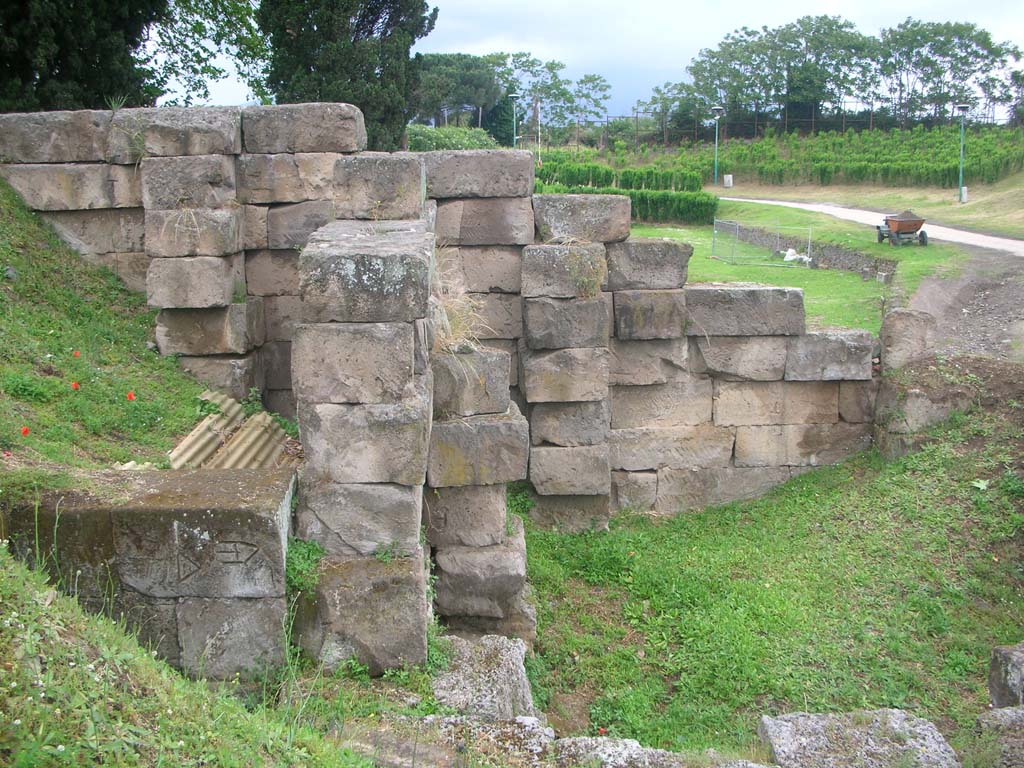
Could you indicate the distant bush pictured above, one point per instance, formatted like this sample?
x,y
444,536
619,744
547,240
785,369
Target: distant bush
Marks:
x,y
651,205
423,138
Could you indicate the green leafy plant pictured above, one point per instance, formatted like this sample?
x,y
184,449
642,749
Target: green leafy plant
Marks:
x,y
302,563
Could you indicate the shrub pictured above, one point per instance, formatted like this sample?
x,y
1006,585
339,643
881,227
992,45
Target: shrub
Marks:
x,y
423,138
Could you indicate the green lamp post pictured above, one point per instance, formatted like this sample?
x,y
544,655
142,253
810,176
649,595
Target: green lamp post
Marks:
x,y
512,97
962,109
717,111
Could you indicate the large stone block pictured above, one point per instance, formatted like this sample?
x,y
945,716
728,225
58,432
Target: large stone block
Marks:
x,y
360,518
367,443
581,471
647,264
112,231
286,178
1001,730
680,490
857,401
591,218
222,638
132,269
499,316
352,362
479,173
739,403
282,402
195,282
830,356
572,514
205,533
193,232
289,226
80,136
485,221
479,450
680,403
486,679
484,269
199,181
563,323
564,375
378,185
272,273
174,131
277,364
75,187
744,310
233,330
799,445
739,358
908,410
635,491
373,610
365,277
704,445
234,374
520,620
254,227
481,581
154,621
470,383
650,314
649,361
466,516
510,346
907,335
1006,676
315,127
563,271
570,424
283,315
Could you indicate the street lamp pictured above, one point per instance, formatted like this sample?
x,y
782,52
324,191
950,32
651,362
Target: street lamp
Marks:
x,y
513,97
962,109
717,111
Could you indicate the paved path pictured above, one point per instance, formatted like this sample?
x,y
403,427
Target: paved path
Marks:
x,y
935,232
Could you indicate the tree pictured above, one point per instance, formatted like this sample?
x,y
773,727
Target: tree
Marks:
x,y
455,82
355,51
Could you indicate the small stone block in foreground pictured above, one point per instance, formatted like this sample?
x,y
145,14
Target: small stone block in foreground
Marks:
x,y
1006,676
223,637
466,516
564,323
583,470
589,218
482,581
486,678
647,264
479,450
570,424
907,335
471,383
564,375
563,271
378,185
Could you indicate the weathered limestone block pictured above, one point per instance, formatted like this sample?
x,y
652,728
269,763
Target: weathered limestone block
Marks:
x,y
254,227
647,264
739,403
194,282
572,514
365,278
277,364
704,445
564,375
286,178
799,445
479,173
680,490
379,185
367,443
485,221
830,356
289,226
744,310
221,638
314,127
499,316
481,581
680,403
205,533
857,401
79,136
470,383
153,620
466,516
272,273
193,232
174,131
75,187
636,491
486,679
283,315
1006,676
112,231
281,401
650,361
233,330
570,424
485,269
591,218
608,752
563,323
907,335
650,314
371,609
1003,729
352,362
908,410
563,271
583,470
132,269
360,518
234,374
479,450
198,181
739,358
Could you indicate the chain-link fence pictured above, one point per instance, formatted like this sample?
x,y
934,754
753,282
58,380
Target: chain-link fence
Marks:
x,y
735,243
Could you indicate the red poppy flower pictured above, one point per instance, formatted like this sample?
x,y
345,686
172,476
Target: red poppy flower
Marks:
x,y
7,454
130,395
75,385
602,731
24,431
76,353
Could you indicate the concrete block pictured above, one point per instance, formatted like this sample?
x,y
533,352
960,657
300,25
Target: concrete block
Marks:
x,y
740,358
570,424
174,131
830,356
680,403
199,181
479,450
481,581
283,315
485,269
907,335
378,185
500,316
564,271
352,362
634,491
563,323
234,374
315,127
704,445
680,490
479,173
121,230
857,401
254,227
286,178
277,364
739,403
282,402
470,383
731,309
79,136
194,282
193,232
648,264
564,375
75,187
799,445
289,226
272,273
572,514
466,516
650,314
648,361
222,638
580,471
232,330
485,221
590,218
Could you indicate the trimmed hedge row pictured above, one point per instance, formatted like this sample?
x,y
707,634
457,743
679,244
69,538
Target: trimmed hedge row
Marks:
x,y
650,205
597,175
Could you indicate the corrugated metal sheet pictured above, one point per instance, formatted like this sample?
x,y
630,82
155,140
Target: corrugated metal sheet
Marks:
x,y
258,444
210,434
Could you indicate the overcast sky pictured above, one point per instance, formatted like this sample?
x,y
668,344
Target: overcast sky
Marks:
x,y
637,44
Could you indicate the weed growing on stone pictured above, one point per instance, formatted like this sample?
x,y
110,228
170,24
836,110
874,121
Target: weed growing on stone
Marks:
x,y
302,565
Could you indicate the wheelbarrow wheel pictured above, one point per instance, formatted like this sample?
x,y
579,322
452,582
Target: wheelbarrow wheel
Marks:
x,y
922,237
881,237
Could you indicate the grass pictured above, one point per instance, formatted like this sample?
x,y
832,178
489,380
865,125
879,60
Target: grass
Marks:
x,y
870,584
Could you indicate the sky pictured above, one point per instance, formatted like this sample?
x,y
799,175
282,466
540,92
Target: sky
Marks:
x,y
638,44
